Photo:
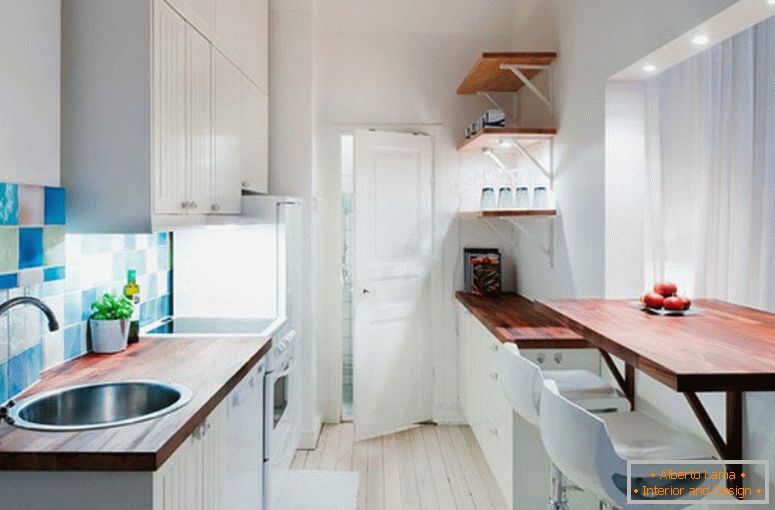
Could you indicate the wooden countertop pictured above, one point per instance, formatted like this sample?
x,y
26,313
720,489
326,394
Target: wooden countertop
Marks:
x,y
210,368
513,318
724,347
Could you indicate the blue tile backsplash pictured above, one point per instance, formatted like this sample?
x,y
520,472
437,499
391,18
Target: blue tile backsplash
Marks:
x,y
68,272
32,235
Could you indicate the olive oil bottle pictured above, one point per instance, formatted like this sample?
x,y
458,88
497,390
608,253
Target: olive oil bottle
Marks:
x,y
132,293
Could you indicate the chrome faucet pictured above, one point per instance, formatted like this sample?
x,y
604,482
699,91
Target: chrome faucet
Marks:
x,y
53,324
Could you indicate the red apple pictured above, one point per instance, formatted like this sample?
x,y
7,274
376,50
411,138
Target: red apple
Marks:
x,y
676,304
653,300
687,303
666,289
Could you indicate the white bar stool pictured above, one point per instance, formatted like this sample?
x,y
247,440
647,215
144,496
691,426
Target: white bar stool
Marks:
x,y
522,382
593,450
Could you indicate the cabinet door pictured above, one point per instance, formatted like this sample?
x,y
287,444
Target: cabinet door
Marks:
x,y
213,440
227,129
200,130
228,28
200,13
255,139
169,63
178,484
244,444
254,45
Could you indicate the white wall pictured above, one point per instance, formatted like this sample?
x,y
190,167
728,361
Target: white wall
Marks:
x,y
29,91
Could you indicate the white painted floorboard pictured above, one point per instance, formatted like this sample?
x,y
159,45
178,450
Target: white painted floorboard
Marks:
x,y
426,468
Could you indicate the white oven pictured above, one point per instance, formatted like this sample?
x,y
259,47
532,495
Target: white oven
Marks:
x,y
281,429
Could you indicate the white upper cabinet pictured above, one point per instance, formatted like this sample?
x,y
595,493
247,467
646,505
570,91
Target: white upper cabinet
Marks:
x,y
200,13
255,138
228,23
169,111
164,111
227,116
255,41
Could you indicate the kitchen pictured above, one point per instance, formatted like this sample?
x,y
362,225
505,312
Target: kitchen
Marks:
x,y
221,143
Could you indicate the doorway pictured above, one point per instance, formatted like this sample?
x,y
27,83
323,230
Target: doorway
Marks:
x,y
346,150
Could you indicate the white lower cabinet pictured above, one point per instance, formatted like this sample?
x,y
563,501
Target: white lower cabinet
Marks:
x,y
511,446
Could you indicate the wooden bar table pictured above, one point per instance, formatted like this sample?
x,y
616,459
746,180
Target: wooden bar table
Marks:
x,y
720,347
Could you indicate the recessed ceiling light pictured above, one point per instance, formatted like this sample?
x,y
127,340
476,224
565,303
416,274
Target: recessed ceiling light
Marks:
x,y
702,40
650,68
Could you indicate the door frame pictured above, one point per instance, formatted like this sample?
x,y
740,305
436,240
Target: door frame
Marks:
x,y
328,265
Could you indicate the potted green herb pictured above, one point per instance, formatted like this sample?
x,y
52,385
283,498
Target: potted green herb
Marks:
x,y
110,323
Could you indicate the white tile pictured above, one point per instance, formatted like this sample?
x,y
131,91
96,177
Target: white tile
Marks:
x,y
53,349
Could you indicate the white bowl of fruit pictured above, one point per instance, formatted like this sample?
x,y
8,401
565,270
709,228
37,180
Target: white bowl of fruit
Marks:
x,y
664,300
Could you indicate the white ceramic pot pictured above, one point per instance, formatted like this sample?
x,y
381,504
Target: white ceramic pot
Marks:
x,y
109,336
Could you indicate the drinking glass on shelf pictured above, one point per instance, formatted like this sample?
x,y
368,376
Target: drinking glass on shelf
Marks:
x,y
488,199
505,198
540,198
522,198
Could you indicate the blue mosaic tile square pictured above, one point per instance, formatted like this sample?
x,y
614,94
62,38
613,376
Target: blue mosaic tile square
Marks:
x,y
161,238
74,345
53,273
9,281
3,383
9,204
30,247
54,208
24,369
87,298
73,308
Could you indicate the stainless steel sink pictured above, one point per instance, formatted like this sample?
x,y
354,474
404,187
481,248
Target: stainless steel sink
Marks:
x,y
94,406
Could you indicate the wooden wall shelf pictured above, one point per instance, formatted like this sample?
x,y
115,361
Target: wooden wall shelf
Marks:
x,y
491,137
486,74
508,213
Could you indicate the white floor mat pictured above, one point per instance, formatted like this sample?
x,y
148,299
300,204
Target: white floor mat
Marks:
x,y
320,490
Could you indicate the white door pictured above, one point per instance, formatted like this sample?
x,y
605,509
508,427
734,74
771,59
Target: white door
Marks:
x,y
227,130
392,363
169,111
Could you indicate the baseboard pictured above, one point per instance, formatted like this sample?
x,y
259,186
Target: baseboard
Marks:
x,y
449,415
309,438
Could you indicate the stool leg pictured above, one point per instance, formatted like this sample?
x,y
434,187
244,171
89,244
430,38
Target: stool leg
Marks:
x,y
558,498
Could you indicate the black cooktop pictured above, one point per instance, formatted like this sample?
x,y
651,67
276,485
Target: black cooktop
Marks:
x,y
206,326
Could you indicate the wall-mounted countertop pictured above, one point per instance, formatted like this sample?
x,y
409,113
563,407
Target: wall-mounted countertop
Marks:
x,y
210,368
513,318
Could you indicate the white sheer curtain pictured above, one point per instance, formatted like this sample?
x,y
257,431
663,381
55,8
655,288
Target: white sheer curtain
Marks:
x,y
711,171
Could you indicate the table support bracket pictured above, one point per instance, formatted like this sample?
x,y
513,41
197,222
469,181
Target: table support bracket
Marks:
x,y
730,448
626,382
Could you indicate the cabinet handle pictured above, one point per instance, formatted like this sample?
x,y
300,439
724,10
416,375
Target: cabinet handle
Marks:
x,y
193,205
493,431
541,358
494,376
245,184
494,347
215,207
558,357
185,205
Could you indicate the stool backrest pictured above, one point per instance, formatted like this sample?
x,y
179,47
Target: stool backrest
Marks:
x,y
579,444
522,381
